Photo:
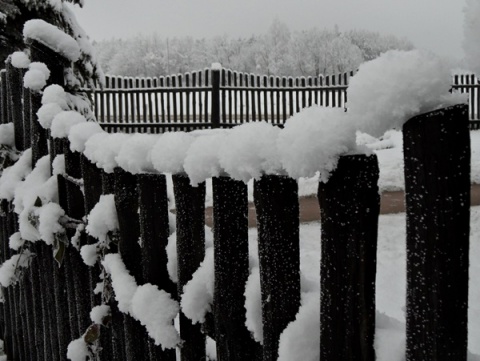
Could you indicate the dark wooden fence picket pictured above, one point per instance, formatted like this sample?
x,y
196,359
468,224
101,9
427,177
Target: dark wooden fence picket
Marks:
x,y
350,206
190,214
276,204
437,185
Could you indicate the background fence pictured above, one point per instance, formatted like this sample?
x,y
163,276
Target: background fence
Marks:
x,y
224,98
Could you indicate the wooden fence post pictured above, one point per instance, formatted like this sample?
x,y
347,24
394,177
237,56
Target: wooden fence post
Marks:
x,y
3,97
15,95
230,218
154,232
215,97
126,203
437,185
92,186
349,207
276,203
56,64
190,205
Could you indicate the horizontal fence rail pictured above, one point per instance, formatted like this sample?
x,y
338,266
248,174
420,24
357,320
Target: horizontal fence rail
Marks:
x,y
222,98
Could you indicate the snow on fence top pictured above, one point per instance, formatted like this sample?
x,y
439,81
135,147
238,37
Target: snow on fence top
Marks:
x,y
52,37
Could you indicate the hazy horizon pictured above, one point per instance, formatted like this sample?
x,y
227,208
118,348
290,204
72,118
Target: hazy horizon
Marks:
x,y
434,25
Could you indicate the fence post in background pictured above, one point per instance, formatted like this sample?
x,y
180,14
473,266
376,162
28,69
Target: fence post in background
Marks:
x,y
437,184
190,204
276,203
3,97
216,70
349,207
15,95
126,203
154,231
230,219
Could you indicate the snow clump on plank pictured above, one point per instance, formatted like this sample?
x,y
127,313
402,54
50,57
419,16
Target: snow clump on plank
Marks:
x,y
313,140
64,121
154,308
8,269
46,113
52,37
78,350
20,60
36,77
169,152
102,149
80,133
396,86
99,313
12,176
7,134
133,155
202,160
103,219
55,94
249,151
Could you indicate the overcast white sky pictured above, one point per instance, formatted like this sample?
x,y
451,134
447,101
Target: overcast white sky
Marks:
x,y
432,24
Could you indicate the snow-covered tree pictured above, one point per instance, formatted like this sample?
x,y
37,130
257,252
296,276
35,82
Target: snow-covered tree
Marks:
x,y
56,12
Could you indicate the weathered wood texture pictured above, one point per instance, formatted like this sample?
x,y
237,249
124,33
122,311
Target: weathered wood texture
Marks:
x,y
437,185
349,207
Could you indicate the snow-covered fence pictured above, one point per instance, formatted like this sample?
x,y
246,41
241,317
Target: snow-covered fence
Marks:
x,y
101,200
212,98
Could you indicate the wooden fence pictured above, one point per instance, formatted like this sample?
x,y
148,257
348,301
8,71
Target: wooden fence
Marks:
x,y
224,98
50,305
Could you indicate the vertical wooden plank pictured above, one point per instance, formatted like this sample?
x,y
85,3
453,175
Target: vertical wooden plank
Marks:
x,y
272,100
339,91
133,104
108,101
3,98
194,98
230,214
140,117
207,114
223,97
216,90
310,92
168,95
242,104
265,99
276,203
154,232
284,99
126,204
258,86
126,96
187,99
303,84
162,98
156,105
348,262
230,101
180,96
235,96
15,95
115,98
151,99
252,94
328,91
290,95
333,92
437,172
190,203
278,101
